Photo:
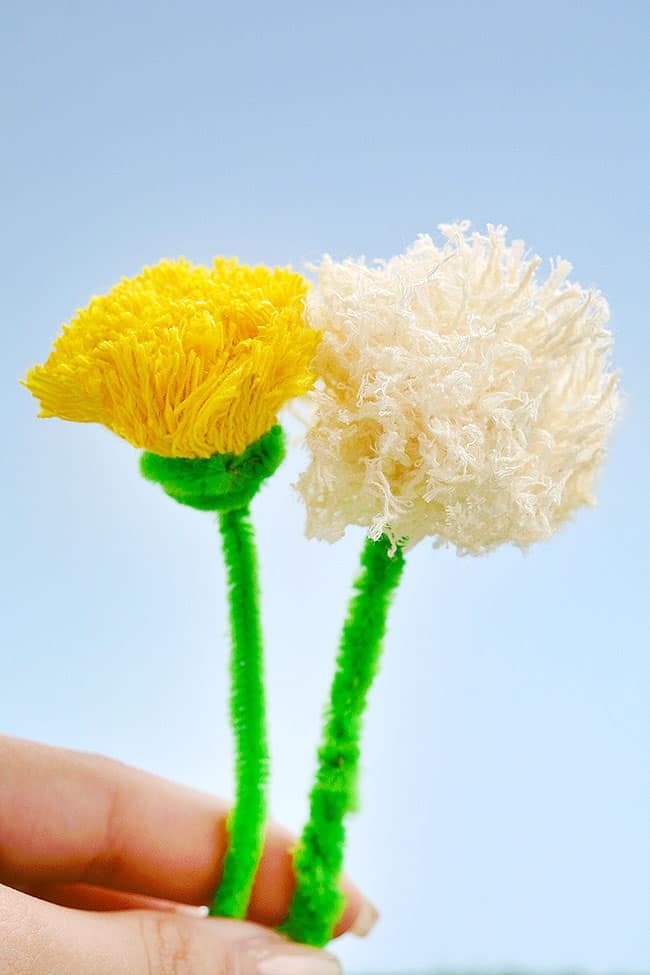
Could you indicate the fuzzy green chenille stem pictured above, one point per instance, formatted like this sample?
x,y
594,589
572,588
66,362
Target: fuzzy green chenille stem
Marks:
x,y
226,483
318,902
247,712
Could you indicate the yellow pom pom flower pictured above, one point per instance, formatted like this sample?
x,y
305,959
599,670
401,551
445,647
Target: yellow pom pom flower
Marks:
x,y
183,360
193,364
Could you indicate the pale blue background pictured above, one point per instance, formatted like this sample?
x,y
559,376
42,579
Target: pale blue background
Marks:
x,y
506,790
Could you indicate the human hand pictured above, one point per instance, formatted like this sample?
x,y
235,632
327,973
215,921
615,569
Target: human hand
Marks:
x,y
102,867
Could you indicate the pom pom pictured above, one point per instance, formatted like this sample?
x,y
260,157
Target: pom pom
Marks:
x,y
464,395
183,361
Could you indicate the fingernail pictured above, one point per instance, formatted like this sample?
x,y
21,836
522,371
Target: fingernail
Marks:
x,y
191,911
287,959
365,920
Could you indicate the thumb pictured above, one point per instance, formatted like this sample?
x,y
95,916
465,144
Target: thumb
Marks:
x,y
171,944
38,938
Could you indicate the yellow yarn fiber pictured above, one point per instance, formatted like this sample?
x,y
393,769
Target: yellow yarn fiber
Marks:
x,y
183,360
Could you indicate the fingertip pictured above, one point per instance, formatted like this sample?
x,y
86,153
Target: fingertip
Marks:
x,y
365,920
359,916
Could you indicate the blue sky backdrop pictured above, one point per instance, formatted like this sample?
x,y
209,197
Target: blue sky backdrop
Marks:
x,y
506,790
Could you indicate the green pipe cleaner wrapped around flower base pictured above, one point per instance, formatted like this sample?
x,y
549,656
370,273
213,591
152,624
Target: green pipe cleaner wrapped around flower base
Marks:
x,y
318,902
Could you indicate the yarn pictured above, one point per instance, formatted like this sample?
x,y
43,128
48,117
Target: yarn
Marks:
x,y
464,396
183,360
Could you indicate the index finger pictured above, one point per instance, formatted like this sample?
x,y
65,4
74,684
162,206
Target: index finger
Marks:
x,y
73,817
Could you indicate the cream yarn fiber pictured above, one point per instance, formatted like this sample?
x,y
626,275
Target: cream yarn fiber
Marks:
x,y
464,395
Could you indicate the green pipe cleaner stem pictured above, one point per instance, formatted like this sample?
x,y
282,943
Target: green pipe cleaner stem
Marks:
x,y
246,823
227,483
318,862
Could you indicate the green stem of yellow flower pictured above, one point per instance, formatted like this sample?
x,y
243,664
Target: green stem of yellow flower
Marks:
x,y
247,709
227,483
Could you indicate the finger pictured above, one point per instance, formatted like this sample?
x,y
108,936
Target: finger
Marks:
x,y
37,938
88,898
70,817
85,897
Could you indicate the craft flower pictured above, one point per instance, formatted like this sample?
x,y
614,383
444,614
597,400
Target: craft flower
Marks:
x,y
464,397
193,364
182,360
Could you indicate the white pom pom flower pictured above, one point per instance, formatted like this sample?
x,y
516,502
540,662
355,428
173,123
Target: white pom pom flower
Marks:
x,y
463,396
